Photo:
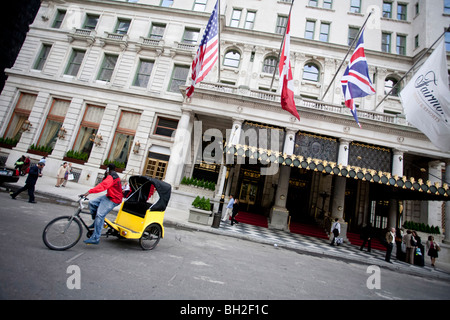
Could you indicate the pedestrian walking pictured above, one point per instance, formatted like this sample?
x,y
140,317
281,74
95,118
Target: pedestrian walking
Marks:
x,y
235,212
101,206
68,175
390,241
229,208
366,236
433,248
419,251
33,175
60,175
335,230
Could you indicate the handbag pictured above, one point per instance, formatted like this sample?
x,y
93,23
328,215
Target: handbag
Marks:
x,y
403,247
418,252
70,176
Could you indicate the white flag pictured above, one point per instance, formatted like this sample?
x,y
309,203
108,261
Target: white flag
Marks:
x,y
426,99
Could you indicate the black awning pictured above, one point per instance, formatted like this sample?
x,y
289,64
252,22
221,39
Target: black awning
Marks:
x,y
404,188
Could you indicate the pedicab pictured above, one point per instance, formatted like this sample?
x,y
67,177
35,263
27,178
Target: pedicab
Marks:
x,y
139,219
136,219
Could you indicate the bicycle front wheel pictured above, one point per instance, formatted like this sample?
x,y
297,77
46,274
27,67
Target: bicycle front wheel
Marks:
x,y
62,233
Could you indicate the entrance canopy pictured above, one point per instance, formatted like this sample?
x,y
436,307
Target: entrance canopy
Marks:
x,y
398,187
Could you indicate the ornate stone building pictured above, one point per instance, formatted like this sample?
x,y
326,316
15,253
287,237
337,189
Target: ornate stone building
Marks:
x,y
100,80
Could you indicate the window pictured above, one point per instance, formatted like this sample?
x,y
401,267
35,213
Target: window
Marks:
x,y
179,76
232,59
143,73
311,72
157,31
352,33
75,62
386,42
88,127
387,9
324,32
190,36
165,127
91,22
20,115
122,26
250,20
42,57
416,41
270,63
389,83
447,41
166,3
107,68
235,18
281,24
447,6
124,136
313,3
355,6
328,4
199,5
53,123
401,12
156,165
309,30
60,14
401,45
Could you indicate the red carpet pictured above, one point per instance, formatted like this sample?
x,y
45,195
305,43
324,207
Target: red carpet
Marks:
x,y
355,240
308,230
252,218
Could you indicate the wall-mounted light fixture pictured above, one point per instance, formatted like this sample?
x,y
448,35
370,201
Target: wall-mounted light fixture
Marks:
x,y
96,139
136,147
26,126
61,133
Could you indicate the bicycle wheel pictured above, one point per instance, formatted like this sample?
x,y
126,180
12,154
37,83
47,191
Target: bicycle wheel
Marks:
x,y
150,237
62,233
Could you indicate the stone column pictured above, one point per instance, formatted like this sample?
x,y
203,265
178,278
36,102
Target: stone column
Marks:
x,y
338,204
447,208
179,147
397,170
279,215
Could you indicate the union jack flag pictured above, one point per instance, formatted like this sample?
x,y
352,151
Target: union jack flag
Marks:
x,y
207,53
356,82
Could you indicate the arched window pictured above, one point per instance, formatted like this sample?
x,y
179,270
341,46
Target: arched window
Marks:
x,y
270,63
389,83
232,59
311,72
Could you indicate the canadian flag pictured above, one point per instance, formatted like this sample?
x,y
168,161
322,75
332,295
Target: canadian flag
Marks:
x,y
286,79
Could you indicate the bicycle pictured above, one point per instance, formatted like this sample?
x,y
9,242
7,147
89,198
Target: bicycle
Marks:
x,y
64,232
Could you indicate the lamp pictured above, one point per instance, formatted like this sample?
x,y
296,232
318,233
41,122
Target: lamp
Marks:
x,y
26,126
97,139
61,133
136,147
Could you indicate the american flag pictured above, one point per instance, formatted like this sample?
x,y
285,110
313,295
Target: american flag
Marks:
x,y
286,79
356,82
207,53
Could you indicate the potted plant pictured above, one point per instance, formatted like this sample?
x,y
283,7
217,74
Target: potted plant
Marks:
x,y
200,212
76,156
40,150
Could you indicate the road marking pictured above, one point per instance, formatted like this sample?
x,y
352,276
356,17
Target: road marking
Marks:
x,y
73,258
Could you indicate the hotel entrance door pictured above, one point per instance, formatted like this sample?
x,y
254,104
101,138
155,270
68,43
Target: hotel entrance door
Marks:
x,y
247,194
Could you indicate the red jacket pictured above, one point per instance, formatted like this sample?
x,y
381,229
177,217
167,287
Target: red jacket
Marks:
x,y
113,186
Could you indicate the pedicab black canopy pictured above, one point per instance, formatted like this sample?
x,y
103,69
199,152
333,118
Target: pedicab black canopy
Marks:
x,y
141,187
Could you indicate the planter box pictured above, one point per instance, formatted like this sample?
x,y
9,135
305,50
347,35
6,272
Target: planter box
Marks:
x,y
118,170
39,153
73,160
200,216
202,192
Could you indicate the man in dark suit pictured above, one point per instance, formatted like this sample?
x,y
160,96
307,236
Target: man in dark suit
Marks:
x,y
33,175
366,236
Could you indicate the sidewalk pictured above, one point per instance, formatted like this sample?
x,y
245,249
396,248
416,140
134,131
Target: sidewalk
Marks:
x,y
45,187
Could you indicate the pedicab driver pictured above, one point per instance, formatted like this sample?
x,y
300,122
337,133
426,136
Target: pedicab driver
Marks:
x,y
102,205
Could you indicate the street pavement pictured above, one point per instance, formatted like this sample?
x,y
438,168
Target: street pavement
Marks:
x,y
45,187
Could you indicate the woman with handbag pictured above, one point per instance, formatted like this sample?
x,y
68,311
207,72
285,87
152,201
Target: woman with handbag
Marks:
x,y
68,175
433,249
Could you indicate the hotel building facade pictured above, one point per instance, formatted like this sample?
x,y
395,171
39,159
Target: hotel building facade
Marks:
x,y
101,81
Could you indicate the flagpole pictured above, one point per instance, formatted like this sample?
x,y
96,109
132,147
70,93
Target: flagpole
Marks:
x,y
346,55
410,69
218,39
281,47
